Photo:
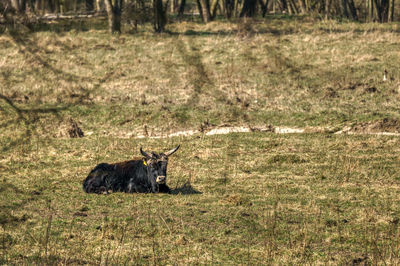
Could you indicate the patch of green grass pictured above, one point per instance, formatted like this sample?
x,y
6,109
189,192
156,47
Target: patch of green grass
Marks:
x,y
291,198
256,198
292,72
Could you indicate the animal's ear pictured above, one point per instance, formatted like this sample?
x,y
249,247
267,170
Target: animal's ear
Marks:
x,y
168,153
145,154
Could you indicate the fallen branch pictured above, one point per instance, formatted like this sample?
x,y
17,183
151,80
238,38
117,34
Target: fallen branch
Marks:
x,y
72,16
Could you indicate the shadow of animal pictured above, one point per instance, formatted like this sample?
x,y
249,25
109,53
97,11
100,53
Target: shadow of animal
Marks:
x,y
186,189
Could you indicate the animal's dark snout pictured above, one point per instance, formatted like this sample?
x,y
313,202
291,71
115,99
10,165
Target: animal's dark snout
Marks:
x,y
161,179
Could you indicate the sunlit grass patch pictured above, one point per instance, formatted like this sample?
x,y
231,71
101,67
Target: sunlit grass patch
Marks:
x,y
291,198
286,72
240,198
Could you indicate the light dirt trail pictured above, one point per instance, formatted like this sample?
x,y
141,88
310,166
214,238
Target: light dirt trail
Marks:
x,y
278,130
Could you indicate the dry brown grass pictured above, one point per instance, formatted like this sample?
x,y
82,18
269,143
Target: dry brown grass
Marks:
x,y
292,73
255,198
242,198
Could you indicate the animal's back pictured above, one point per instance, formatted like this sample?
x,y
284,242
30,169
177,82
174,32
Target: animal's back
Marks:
x,y
105,177
95,182
103,167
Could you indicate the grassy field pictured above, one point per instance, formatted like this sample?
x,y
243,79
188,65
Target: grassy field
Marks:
x,y
251,198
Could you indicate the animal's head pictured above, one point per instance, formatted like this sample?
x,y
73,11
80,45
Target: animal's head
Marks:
x,y
157,164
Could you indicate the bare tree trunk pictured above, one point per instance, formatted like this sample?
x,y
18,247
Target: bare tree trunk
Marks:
x,y
303,6
249,8
283,5
50,5
89,4
293,6
160,15
384,9
56,5
75,5
99,5
370,7
353,10
114,15
37,5
205,10
264,7
290,8
23,4
44,6
327,8
391,11
376,10
213,9
229,8
110,14
344,8
200,10
174,6
181,8
15,5
118,13
371,10
30,5
236,8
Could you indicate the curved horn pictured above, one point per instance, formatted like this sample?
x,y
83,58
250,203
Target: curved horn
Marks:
x,y
145,154
168,153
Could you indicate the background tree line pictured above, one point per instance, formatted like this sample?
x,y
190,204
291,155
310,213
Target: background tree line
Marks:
x,y
157,11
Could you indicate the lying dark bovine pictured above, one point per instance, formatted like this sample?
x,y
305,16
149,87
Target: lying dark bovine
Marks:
x,y
146,175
